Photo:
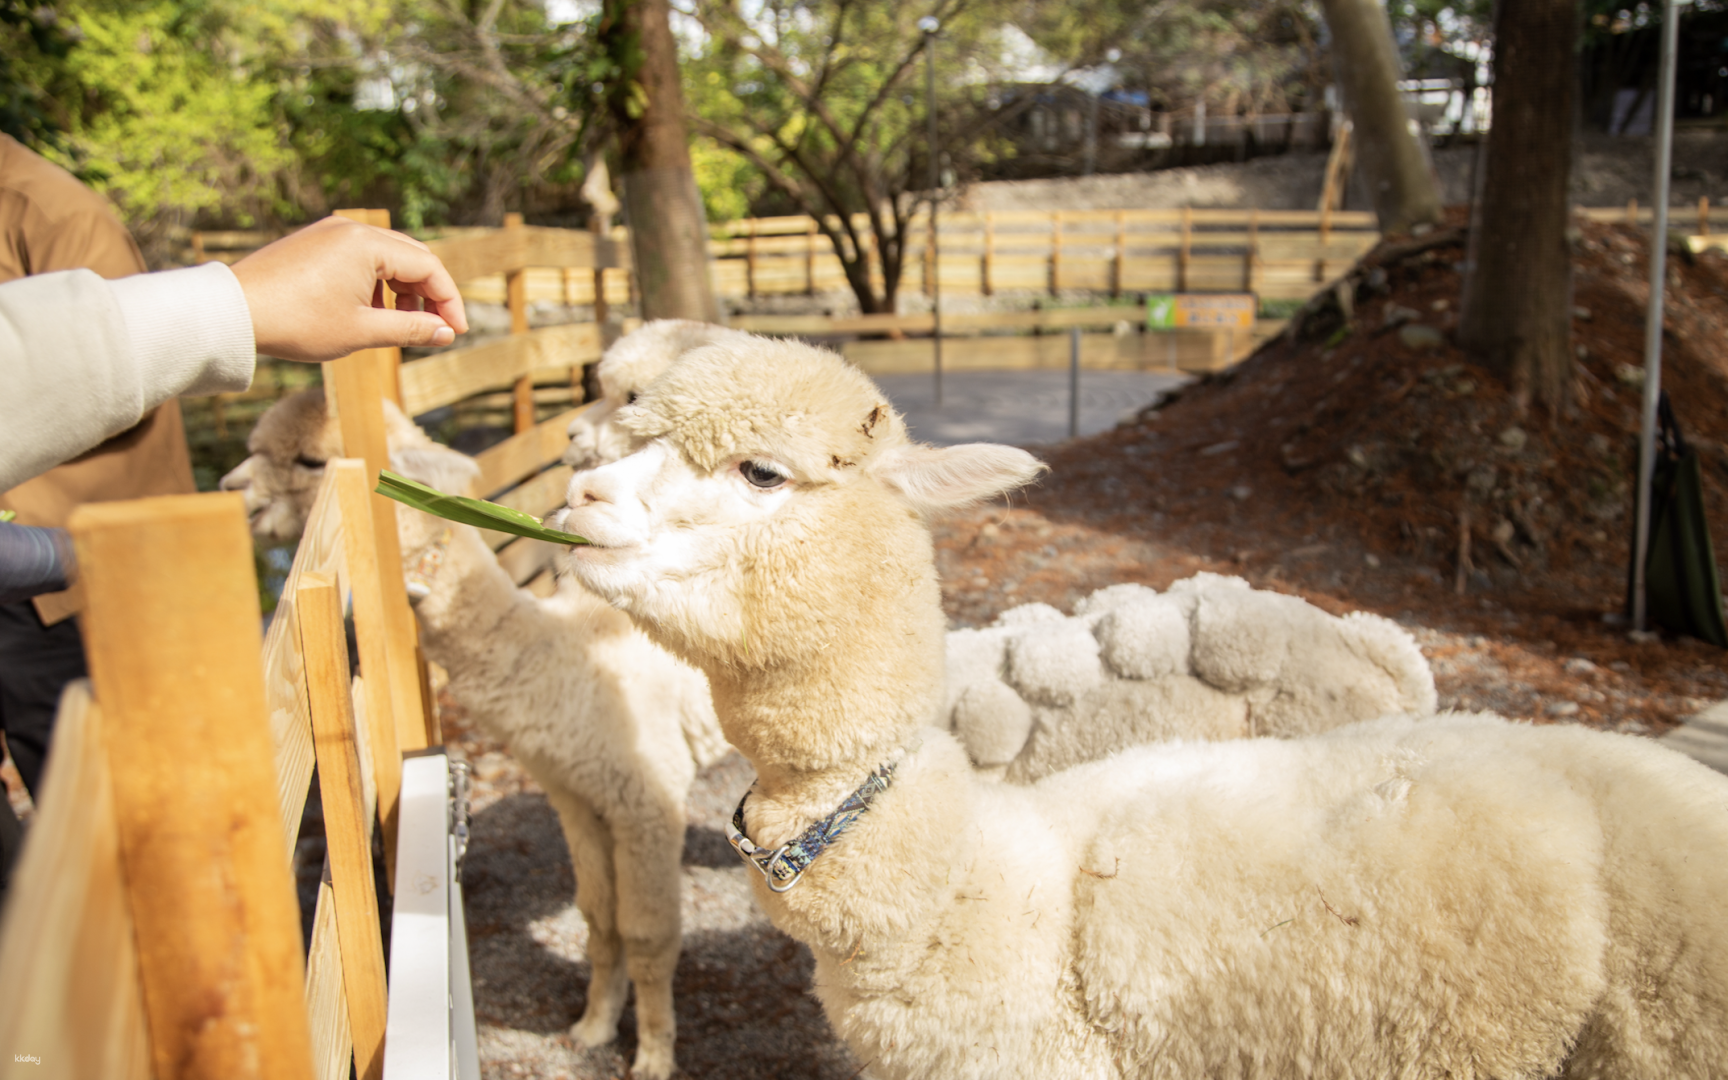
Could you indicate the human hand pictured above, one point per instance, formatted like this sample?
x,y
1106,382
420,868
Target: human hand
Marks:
x,y
317,294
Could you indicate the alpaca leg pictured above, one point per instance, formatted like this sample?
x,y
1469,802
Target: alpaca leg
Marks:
x,y
590,843
649,898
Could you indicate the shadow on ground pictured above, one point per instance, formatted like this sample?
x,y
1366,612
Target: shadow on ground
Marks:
x,y
741,988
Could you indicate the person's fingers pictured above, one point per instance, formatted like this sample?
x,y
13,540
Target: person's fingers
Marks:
x,y
449,306
376,329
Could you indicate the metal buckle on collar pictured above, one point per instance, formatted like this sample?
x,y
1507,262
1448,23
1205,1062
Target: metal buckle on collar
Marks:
x,y
784,867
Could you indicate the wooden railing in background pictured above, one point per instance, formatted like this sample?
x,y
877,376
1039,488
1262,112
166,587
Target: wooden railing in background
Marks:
x,y
1276,254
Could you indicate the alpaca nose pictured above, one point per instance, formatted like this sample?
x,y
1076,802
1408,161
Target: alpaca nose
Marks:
x,y
602,485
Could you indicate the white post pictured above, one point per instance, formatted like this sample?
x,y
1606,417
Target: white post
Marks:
x,y
1653,314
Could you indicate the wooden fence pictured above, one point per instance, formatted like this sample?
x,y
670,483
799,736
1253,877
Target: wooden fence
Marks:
x,y
152,928
1276,254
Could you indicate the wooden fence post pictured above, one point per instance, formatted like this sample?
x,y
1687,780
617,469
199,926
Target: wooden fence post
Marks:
x,y
171,627
372,630
1632,211
358,395
930,270
318,607
750,260
1251,260
1121,251
1055,252
1182,253
1703,215
810,257
516,296
989,257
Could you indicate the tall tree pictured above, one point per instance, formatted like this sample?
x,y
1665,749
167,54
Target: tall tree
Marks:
x,y
1394,160
1517,306
668,229
819,96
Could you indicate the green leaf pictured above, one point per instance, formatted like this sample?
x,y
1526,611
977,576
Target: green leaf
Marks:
x,y
475,512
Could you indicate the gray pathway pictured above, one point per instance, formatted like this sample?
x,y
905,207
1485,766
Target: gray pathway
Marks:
x,y
1019,407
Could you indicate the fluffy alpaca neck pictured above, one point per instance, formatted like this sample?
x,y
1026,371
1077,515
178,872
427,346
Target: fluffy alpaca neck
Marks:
x,y
816,723
470,593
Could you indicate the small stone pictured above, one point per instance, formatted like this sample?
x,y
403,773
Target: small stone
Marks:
x,y
1620,666
1583,352
1581,313
1441,304
1372,560
1358,457
1503,532
1481,480
1464,387
1628,374
1643,637
1579,666
1397,315
1241,492
1600,445
1420,336
1514,438
1562,708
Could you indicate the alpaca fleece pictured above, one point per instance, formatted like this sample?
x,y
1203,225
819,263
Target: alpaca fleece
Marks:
x,y
1455,897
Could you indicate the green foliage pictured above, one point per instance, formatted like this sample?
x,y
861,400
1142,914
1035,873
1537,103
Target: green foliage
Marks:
x,y
1239,55
823,101
165,120
33,38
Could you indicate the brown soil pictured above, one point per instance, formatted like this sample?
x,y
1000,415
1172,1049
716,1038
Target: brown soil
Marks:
x,y
1340,464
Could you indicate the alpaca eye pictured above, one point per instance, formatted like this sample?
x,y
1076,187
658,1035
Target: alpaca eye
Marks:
x,y
761,475
308,463
630,399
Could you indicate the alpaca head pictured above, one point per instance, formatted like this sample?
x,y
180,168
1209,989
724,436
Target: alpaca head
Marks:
x,y
771,520
297,435
633,361
289,446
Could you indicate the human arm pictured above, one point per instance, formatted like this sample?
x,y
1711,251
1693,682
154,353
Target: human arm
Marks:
x,y
82,359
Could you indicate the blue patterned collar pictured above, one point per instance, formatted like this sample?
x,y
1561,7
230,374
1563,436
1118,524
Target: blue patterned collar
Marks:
x,y
784,867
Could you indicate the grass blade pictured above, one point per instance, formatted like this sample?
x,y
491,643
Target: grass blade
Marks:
x,y
475,512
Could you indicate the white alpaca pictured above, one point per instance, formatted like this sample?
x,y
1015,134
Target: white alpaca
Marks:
x,y
1035,693
1460,897
1211,658
610,725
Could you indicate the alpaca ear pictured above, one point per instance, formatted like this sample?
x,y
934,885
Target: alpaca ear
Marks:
x,y
944,478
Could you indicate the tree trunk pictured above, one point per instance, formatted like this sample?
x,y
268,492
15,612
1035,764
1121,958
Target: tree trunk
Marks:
x,y
668,230
1517,306
1394,160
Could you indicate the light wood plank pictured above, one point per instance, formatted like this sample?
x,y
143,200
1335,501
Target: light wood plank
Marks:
x,y
171,630
326,1004
521,455
320,550
70,996
542,494
359,393
461,373
345,826
364,572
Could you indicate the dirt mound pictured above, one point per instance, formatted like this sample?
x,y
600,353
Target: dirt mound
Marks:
x,y
1363,461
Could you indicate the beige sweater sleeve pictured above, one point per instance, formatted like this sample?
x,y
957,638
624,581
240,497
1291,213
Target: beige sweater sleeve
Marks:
x,y
82,359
